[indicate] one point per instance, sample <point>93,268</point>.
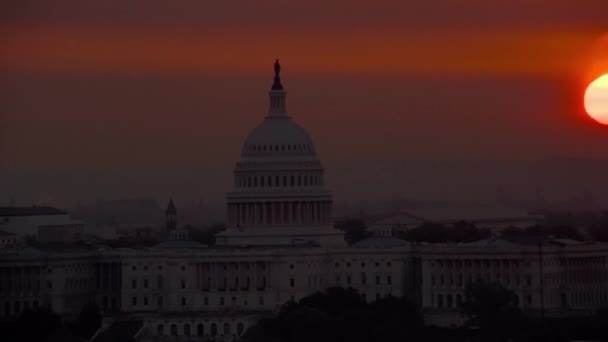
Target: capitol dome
<point>279,195</point>
<point>278,136</point>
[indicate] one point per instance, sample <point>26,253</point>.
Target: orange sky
<point>371,52</point>
<point>143,89</point>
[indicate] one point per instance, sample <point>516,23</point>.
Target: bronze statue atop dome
<point>277,78</point>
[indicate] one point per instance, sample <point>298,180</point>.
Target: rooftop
<point>30,211</point>
<point>180,244</point>
<point>381,242</point>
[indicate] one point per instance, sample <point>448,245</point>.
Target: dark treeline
<point>437,233</point>
<point>43,325</point>
<point>340,314</point>
<point>490,311</point>
<point>462,232</point>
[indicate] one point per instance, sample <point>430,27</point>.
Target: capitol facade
<point>280,245</point>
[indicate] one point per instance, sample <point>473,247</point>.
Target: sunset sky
<point>109,98</point>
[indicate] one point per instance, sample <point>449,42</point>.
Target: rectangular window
<point>160,301</point>
<point>292,282</point>
<point>134,301</point>
<point>389,280</point>
<point>183,301</point>
<point>145,283</point>
<point>134,284</point>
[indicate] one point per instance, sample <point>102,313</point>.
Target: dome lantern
<point>277,94</point>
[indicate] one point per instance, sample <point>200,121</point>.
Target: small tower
<point>171,216</point>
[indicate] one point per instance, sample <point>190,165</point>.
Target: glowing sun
<point>596,100</point>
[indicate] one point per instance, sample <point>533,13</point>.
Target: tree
<point>432,232</point>
<point>207,235</point>
<point>37,325</point>
<point>339,314</point>
<point>396,319</point>
<point>493,310</point>
<point>88,322</point>
<point>354,230</point>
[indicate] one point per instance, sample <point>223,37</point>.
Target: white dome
<point>278,136</point>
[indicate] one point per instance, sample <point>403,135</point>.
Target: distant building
<point>493,217</point>
<point>45,224</point>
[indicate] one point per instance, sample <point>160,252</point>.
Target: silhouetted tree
<point>431,232</point>
<point>493,310</point>
<point>354,230</point>
<point>339,314</point>
<point>206,235</point>
<point>88,322</point>
<point>37,325</point>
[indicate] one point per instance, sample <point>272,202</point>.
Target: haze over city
<point>101,100</point>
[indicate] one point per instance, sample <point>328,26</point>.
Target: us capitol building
<point>280,245</point>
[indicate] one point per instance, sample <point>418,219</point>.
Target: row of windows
<point>455,301</point>
<point>276,181</point>
<point>378,279</point>
<point>363,264</point>
<point>184,301</point>
<point>477,263</point>
<point>200,329</point>
<point>451,280</point>
<point>279,148</point>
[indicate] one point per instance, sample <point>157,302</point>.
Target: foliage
<point>355,230</point>
<point>207,235</point>
<point>493,310</point>
<point>88,322</point>
<point>339,314</point>
<point>436,233</point>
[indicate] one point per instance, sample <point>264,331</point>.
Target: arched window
<point>226,329</point>
<point>240,328</point>
<point>200,329</point>
<point>213,329</point>
<point>187,329</point>
<point>160,330</point>
<point>173,330</point>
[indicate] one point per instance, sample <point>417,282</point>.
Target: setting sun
<point>596,100</point>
